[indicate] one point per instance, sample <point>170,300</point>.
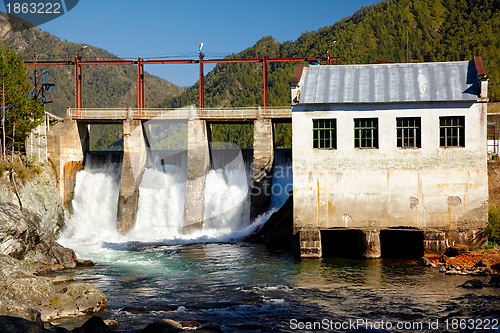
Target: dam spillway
<point>196,166</point>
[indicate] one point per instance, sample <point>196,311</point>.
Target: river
<point>156,272</point>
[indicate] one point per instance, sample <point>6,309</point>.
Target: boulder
<point>22,236</point>
<point>49,256</point>
<point>76,299</point>
<point>19,230</point>
<point>496,267</point>
<point>111,323</point>
<point>482,263</point>
<point>473,284</point>
<point>456,250</point>
<point>16,325</point>
<point>163,326</point>
<point>95,324</point>
<point>425,262</point>
<point>25,295</point>
<point>495,280</point>
<point>209,328</point>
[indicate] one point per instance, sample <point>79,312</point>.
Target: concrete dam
<point>192,157</point>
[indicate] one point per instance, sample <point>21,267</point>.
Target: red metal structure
<point>78,63</point>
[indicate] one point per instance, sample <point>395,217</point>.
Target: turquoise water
<point>155,271</point>
<point>246,288</point>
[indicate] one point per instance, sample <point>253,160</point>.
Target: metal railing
<point>98,113</point>
<point>248,113</point>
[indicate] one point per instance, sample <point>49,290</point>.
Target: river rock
<point>19,325</point>
<point>456,250</point>
<point>19,230</point>
<point>210,328</point>
<point>95,324</point>
<point>76,299</point>
<point>25,295</point>
<point>22,236</point>
<point>496,267</point>
<point>425,262</point>
<point>495,280</point>
<point>49,256</point>
<point>111,323</point>
<point>482,263</point>
<point>164,326</point>
<point>36,193</point>
<point>473,284</point>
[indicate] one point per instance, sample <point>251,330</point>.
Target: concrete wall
<point>36,142</point>
<point>430,188</point>
<point>67,143</point>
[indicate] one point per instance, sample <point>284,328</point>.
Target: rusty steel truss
<point>78,63</point>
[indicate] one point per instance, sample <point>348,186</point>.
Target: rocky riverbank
<point>458,260</point>
<point>31,216</point>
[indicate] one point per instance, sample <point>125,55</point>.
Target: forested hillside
<point>103,86</point>
<point>390,31</point>
<point>434,30</point>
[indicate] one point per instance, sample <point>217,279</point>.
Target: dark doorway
<point>341,243</point>
<point>402,244</point>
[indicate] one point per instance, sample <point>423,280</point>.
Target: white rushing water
<point>92,227</point>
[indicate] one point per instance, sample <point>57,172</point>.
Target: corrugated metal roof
<point>390,83</point>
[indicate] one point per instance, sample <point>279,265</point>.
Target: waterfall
<point>160,214</point>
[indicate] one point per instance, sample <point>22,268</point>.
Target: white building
<point>389,159</point>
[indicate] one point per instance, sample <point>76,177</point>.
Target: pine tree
<point>20,114</point>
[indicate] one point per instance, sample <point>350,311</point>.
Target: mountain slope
<point>434,30</point>
<point>103,86</point>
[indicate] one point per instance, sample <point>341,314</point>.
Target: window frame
<point>409,132</point>
<point>361,141</point>
<point>329,133</point>
<point>452,134</point>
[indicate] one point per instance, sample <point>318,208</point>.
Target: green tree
<point>20,114</point>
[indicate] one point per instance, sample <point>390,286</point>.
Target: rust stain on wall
<point>70,170</point>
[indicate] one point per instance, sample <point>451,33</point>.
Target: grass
<point>19,168</point>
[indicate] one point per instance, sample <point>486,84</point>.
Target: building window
<point>366,133</point>
<point>408,132</point>
<point>325,133</point>
<point>452,131</point>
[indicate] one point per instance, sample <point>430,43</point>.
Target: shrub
<point>493,228</point>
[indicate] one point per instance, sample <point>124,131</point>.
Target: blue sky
<point>154,28</point>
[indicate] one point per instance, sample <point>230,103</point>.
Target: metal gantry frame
<point>78,63</point>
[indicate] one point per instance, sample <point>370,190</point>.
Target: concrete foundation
<point>307,243</point>
<point>371,244</point>
<point>198,164</point>
<point>67,144</point>
<point>263,158</point>
<point>134,163</point>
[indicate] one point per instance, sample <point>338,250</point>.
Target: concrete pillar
<point>198,164</point>
<point>263,159</point>
<point>67,144</point>
<point>371,243</point>
<point>134,163</point>
<point>435,242</point>
<point>308,243</point>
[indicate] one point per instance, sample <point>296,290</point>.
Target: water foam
<point>160,213</point>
